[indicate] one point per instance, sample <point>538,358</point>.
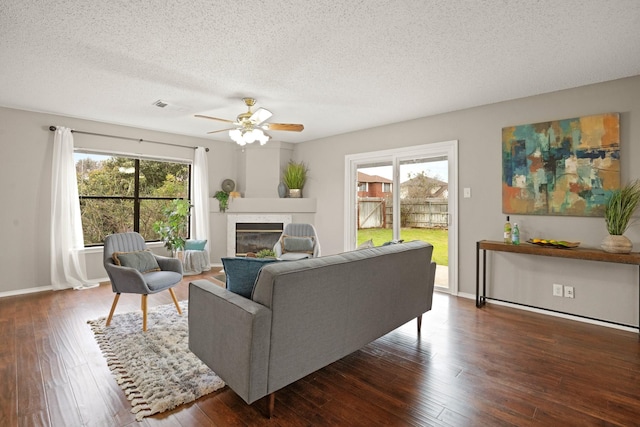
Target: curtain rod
<point>53,129</point>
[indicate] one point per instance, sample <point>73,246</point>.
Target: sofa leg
<point>419,318</point>
<point>271,404</point>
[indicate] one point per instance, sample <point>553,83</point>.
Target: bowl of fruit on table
<point>563,244</point>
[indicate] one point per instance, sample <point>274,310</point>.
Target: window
<point>386,187</point>
<point>362,186</point>
<point>120,194</point>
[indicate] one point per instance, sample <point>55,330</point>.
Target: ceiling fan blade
<point>260,115</point>
<point>221,130</point>
<point>213,118</point>
<point>284,126</point>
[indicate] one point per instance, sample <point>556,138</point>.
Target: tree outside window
<point>120,194</point>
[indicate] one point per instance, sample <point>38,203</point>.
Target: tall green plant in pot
<point>173,229</point>
<point>294,177</point>
<point>617,214</point>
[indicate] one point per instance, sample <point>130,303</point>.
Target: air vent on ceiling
<point>160,103</point>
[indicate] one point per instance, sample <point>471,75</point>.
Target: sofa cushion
<point>143,261</point>
<point>297,244</point>
<point>241,273</point>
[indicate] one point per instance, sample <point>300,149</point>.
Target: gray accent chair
<point>297,230</point>
<point>130,281</point>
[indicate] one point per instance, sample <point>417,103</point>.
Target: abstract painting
<point>561,167</point>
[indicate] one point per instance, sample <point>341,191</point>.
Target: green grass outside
<point>438,238</point>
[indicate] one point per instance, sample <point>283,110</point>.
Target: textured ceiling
<point>335,66</point>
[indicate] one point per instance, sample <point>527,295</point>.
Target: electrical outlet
<point>568,292</point>
<point>557,290</point>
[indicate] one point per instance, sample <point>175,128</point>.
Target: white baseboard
<point>553,313</point>
<point>25,291</point>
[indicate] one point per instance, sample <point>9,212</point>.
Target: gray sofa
<point>306,314</point>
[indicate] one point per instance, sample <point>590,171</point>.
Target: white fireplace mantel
<point>270,205</point>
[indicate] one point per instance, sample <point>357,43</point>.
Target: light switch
<point>467,193</point>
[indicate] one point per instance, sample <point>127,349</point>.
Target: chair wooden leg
<point>113,308</point>
<point>175,301</point>
<point>144,313</point>
<point>419,323</point>
<point>271,404</point>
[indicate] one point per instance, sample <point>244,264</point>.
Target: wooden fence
<point>377,212</point>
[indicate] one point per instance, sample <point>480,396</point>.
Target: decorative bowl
<point>561,244</point>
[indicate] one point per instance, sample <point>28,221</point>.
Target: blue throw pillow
<point>194,245</point>
<point>242,273</point>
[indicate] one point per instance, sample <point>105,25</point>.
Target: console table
<point>589,254</point>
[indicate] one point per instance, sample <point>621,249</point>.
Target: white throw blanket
<point>195,262</point>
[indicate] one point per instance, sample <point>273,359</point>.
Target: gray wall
<point>26,146</point>
<point>603,290</point>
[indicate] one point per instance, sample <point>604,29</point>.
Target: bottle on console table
<point>507,232</point>
<point>515,234</point>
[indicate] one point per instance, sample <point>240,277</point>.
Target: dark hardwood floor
<point>495,366</point>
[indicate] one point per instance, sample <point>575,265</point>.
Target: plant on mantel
<point>618,210</point>
<point>294,177</point>
<point>223,199</point>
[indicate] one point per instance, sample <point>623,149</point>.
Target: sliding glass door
<point>405,194</point>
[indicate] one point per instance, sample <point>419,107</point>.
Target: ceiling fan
<point>250,126</point>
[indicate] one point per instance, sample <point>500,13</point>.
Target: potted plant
<point>266,253</point>
<point>173,229</point>
<point>223,199</point>
<point>294,177</point>
<point>617,215</point>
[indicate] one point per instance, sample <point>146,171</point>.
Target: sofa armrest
<point>231,334</point>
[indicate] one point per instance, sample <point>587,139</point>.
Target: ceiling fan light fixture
<point>248,136</point>
<point>236,136</point>
<point>263,138</point>
<point>250,126</point>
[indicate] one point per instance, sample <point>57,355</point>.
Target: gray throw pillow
<point>143,261</point>
<point>297,244</point>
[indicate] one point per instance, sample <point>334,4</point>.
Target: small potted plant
<point>294,177</point>
<point>617,215</point>
<point>266,253</point>
<point>173,229</point>
<point>223,199</point>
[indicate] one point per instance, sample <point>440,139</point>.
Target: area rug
<point>156,369</point>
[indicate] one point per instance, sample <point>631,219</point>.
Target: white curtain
<point>200,197</point>
<point>67,242</point>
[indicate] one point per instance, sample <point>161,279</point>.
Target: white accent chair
<point>297,241</point>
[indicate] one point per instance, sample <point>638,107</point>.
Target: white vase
<point>616,244</point>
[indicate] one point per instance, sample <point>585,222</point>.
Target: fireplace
<point>255,236</point>
<point>251,233</point>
